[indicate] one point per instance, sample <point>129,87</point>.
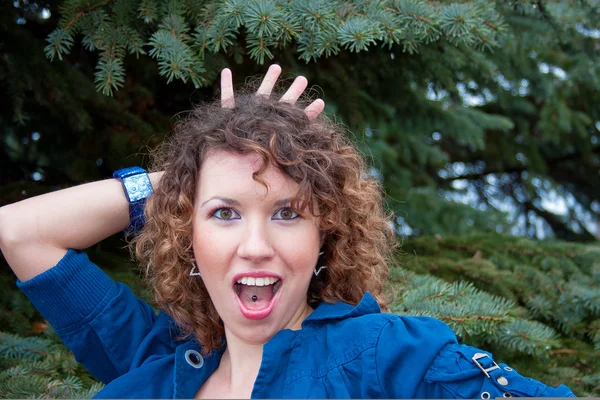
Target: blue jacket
<point>341,350</point>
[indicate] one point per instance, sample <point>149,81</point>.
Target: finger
<point>314,109</point>
<point>295,91</point>
<point>227,99</point>
<point>269,81</point>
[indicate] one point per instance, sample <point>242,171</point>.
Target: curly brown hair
<point>358,242</point>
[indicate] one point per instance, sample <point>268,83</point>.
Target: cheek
<point>299,249</point>
<point>212,247</point>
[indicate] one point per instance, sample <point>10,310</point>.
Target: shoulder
<point>344,332</point>
<point>416,329</point>
<point>364,326</point>
<point>406,350</point>
<point>366,321</point>
<point>403,333</point>
<point>398,350</point>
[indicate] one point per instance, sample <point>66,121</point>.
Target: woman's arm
<point>36,233</point>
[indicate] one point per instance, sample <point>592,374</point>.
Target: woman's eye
<point>226,214</point>
<point>285,214</point>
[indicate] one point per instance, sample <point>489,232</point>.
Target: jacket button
<point>194,359</point>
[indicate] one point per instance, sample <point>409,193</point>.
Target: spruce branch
<point>162,43</point>
<point>259,48</point>
<point>221,34</point>
<point>458,22</point>
<point>326,43</point>
<point>390,26</point>
<point>132,39</point>
<point>358,33</point>
<point>194,10</point>
<point>173,7</point>
<point>94,26</point>
<point>319,27</point>
<point>528,337</point>
<point>233,10</point>
<point>148,11</point>
<point>307,47</point>
<point>414,11</point>
<point>199,40</point>
<point>315,14</point>
<point>82,11</point>
<point>466,309</point>
<point>175,25</point>
<point>260,18</point>
<point>124,12</point>
<point>60,42</point>
<point>109,75</point>
<point>288,32</point>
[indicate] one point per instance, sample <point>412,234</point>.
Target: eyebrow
<point>225,200</point>
<point>233,202</point>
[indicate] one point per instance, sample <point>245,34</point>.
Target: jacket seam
<point>347,357</point>
<point>87,322</point>
<point>448,390</point>
<point>120,370</point>
<point>385,395</point>
<point>118,367</point>
<point>432,371</point>
<point>328,369</point>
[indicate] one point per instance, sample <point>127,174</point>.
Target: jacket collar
<point>340,310</point>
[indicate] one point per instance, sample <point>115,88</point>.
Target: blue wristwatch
<point>137,186</point>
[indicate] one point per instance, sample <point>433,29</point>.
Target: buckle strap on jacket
<point>485,363</point>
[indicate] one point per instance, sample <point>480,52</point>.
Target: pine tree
<point>488,104</point>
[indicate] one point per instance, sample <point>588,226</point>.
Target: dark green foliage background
<point>494,102</point>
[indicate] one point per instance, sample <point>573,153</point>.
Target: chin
<point>260,331</point>
<point>255,332</point>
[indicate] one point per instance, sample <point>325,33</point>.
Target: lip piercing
<point>254,298</point>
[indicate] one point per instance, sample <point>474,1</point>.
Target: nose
<point>254,245</point>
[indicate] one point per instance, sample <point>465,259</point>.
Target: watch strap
<point>137,186</point>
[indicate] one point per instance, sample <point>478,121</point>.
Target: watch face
<point>137,187</point>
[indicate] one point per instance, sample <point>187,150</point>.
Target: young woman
<point>265,246</point>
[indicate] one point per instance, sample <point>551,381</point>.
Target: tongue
<point>263,294</point>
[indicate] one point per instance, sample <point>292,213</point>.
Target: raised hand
<point>291,96</point>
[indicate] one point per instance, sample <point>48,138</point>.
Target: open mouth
<point>257,296</point>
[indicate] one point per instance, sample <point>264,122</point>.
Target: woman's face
<point>256,255</point>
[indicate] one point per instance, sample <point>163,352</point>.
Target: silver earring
<point>322,267</point>
<point>192,273</point>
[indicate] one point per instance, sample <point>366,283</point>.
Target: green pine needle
<point>261,18</point>
<point>148,11</point>
<point>259,48</point>
<point>358,33</point>
<point>60,42</point>
<point>233,11</point>
<point>109,75</point>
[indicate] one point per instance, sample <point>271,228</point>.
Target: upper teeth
<point>268,280</point>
